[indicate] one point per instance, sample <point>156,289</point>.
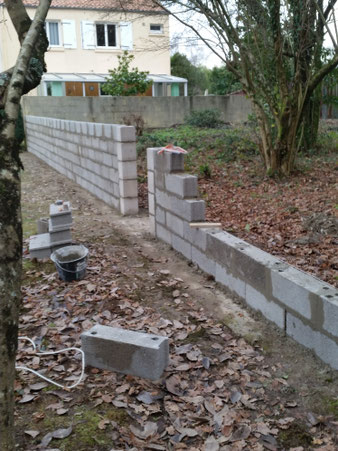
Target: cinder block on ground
<point>39,246</point>
<point>128,352</point>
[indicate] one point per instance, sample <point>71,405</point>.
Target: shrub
<point>204,119</point>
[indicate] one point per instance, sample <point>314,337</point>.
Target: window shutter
<point>69,34</point>
<point>88,34</point>
<point>126,33</point>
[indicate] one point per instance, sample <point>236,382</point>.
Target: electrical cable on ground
<point>24,368</point>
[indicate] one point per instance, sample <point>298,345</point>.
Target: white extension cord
<point>51,353</point>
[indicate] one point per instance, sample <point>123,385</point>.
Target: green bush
<point>204,119</point>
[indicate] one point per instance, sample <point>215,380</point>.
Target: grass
<point>213,148</point>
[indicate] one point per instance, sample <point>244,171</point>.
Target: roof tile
<point>121,5</point>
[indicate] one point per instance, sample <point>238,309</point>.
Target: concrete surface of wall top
<point>306,308</point>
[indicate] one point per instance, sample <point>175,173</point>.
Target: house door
<point>74,88</point>
<point>91,89</point>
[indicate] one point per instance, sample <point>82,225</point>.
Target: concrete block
<point>60,215</point>
<point>181,246</point>
<point>292,288</point>
<point>330,313</point>
<point>220,247</point>
<point>175,224</point>
<point>127,170</point>
<point>160,215</point>
<point>163,234</point>
<point>128,188</point>
<point>169,162</point>
<point>124,133</point>
<point>91,128</point>
<point>203,262</point>
<point>135,353</point>
<point>195,210</point>
<point>42,225</point>
<point>107,159</point>
<point>152,225</point>
<point>126,151</point>
<point>151,154</point>
<point>151,203</point>
<point>269,309</point>
<point>60,237</point>
<point>103,145</point>
<point>111,147</point>
<point>151,185</point>
<point>159,180</point>
<point>107,130</point>
<point>323,346</point>
<point>196,237</point>
<point>224,277</point>
<point>128,206</point>
<point>98,130</point>
<point>39,246</point>
<point>183,185</point>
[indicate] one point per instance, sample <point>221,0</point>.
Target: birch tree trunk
<point>10,214</point>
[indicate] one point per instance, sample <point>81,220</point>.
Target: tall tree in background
<point>197,76</point>
<point>222,81</point>
<point>274,47</point>
<point>15,82</point>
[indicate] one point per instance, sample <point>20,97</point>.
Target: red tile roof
<point>120,5</point>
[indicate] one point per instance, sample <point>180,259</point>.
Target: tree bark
<point>10,211</point>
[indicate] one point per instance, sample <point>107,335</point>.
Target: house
<point>86,37</point>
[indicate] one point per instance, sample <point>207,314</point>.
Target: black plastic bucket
<point>70,262</point>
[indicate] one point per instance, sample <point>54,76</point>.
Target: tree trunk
<point>10,284</point>
<point>310,123</point>
<point>10,202</point>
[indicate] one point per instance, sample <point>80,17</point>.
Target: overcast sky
<point>186,43</point>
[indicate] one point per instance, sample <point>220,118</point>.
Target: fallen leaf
<point>173,385</point>
<point>32,433</point>
<point>150,429</point>
<point>27,398</point>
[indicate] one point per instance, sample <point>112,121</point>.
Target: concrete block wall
<point>304,307</point>
<point>99,157</point>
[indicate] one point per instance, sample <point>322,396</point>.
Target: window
<point>53,33</point>
<point>105,35</point>
<point>156,28</point>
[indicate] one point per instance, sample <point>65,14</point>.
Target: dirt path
<point>234,382</point>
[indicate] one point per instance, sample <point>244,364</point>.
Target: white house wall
<point>151,51</point>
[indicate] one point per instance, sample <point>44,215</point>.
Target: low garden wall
<point>304,307</point>
<point>99,157</point>
<point>157,112</point>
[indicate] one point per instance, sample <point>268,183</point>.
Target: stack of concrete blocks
<point>306,308</point>
<point>99,157</point>
<point>59,234</point>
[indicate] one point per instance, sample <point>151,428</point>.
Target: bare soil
<point>234,382</point>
